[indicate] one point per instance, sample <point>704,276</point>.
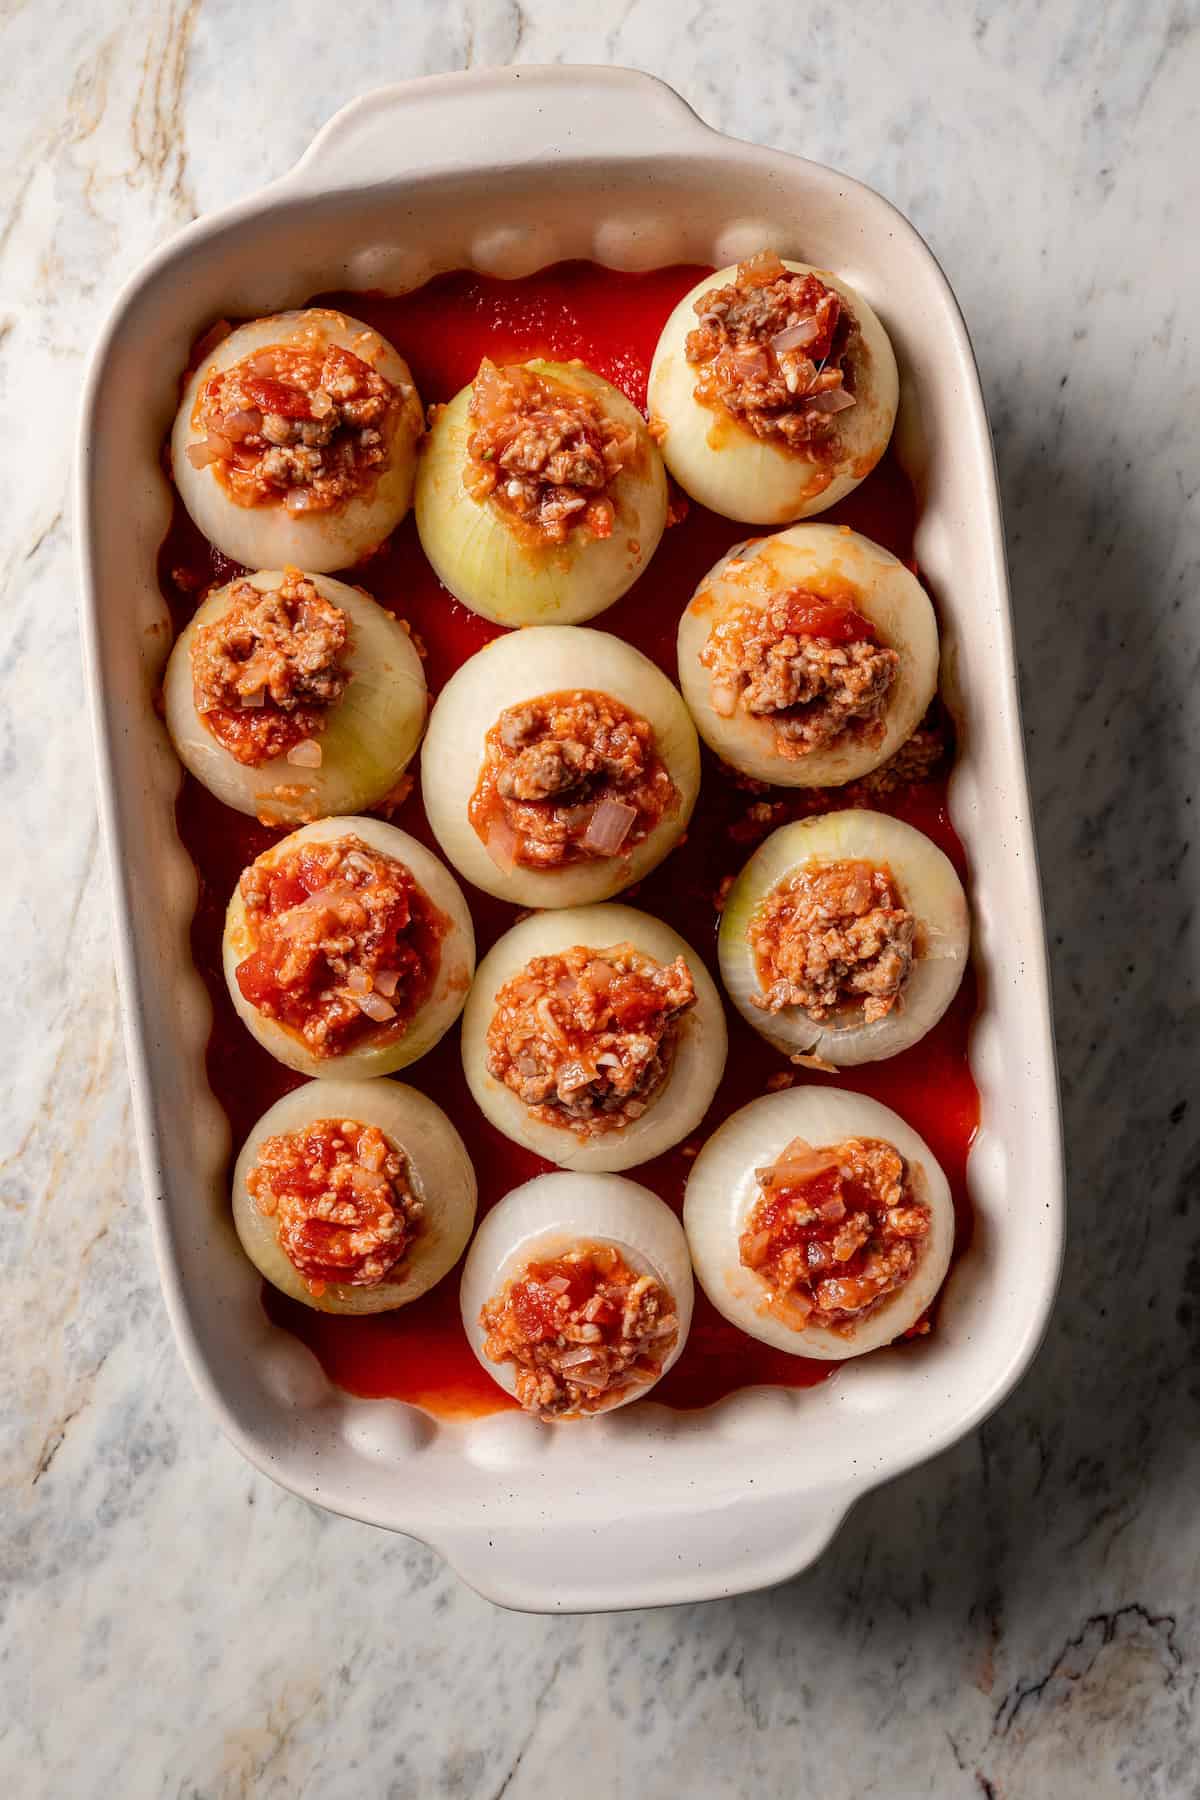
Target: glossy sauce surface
<point>612,322</point>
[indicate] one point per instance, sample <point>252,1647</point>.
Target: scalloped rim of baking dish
<point>506,171</point>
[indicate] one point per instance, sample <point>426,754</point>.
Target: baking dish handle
<point>745,1543</point>
<point>501,116</point>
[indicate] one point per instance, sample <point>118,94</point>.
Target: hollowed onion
<point>723,1189</point>
<point>487,566</point>
<point>369,735</point>
<point>720,463</point>
<point>523,666</point>
<point>439,1172</point>
<point>928,888</point>
<point>456,963</point>
<point>828,561</point>
<point>555,1213</point>
<point>275,535</point>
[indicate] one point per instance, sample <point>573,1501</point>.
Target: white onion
<point>723,465</point>
<point>928,888</point>
<point>281,533</point>
<point>442,1005</point>
<point>489,568</point>
<point>512,670</point>
<point>368,736</point>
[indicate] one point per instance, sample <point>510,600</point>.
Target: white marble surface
<point>1021,1617</point>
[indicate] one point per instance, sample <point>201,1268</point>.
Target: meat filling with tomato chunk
<point>568,778</point>
<point>544,453</point>
<point>585,1038</point>
<point>341,1199</point>
<point>812,667</point>
<point>305,426</point>
<point>772,350</point>
<point>833,939</point>
<point>833,1232</point>
<point>581,1330</point>
<point>265,674</point>
<point>347,945</point>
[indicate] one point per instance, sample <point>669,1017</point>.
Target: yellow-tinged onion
<point>369,736</point>
<point>485,564</point>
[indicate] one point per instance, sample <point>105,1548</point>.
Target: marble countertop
<point>1018,1618</point>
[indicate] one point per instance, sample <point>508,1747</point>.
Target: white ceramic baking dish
<point>505,171</point>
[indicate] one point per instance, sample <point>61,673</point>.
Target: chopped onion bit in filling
<point>567,778</point>
<point>347,945</point>
<point>265,674</point>
<point>810,665</point>
<point>772,351</point>
<point>833,1232</point>
<point>581,1330</point>
<point>308,426</point>
<point>833,938</point>
<point>545,454</point>
<point>341,1199</point>
<point>585,1038</point>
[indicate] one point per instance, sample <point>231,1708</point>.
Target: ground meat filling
<point>545,454</point>
<point>307,428</point>
<point>833,1232</point>
<point>568,778</point>
<point>581,1330</point>
<point>347,945</point>
<point>341,1199</point>
<point>265,674</point>
<point>812,667</point>
<point>585,1039</point>
<point>772,350</point>
<point>834,939</point>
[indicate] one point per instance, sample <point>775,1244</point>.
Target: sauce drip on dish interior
<point>612,321</point>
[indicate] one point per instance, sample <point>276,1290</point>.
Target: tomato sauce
<point>612,321</point>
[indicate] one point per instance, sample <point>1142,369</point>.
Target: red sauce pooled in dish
<point>612,321</point>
